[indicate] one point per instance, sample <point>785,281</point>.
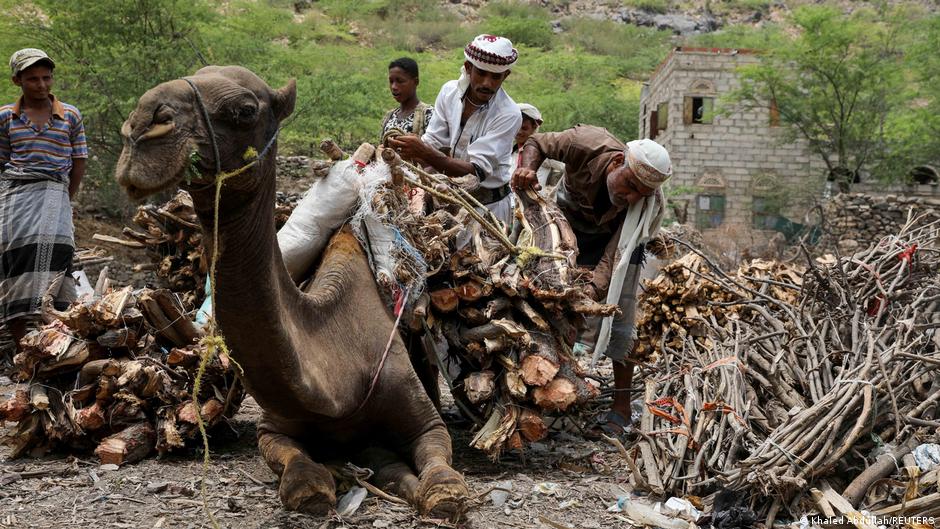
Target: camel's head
<point>167,140</point>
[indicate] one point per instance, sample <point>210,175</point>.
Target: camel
<point>309,357</point>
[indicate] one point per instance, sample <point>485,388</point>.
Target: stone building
<point>733,170</point>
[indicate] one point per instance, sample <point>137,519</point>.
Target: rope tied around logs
<point>523,254</point>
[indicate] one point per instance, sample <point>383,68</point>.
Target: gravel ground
<point>565,480</point>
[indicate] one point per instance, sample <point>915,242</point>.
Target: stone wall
<point>739,155</point>
<point>293,166</point>
<point>856,220</point>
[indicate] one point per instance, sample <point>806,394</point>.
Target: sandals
<point>611,424</point>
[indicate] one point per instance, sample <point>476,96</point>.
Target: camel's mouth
<point>145,171</point>
<point>140,182</point>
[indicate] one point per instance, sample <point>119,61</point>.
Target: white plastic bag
<point>328,204</point>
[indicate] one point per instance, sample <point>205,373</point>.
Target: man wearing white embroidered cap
<point>474,121</point>
<point>611,195</point>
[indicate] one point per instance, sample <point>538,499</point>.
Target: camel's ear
<point>284,99</point>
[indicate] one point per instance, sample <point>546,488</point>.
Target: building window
<point>662,116</point>
<point>764,213</point>
<point>710,211</point>
<point>698,110</point>
<point>654,122</point>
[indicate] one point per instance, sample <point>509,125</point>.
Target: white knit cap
<point>531,111</point>
<point>491,53</point>
<point>650,162</point>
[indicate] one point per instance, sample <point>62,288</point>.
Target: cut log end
<point>445,300</point>
<point>537,370</point>
<point>557,395</point>
<point>127,446</point>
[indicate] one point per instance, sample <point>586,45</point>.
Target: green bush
<point>741,5</point>
<point>653,6</point>
<point>767,37</point>
<point>519,22</point>
<point>108,53</point>
<point>635,49</point>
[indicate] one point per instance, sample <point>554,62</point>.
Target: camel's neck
<point>255,296</point>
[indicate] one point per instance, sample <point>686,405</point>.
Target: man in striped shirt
<point>42,159</point>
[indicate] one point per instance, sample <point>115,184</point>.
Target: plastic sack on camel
<point>325,207</point>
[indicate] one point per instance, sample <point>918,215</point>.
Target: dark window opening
<point>654,122</point>
<point>698,110</point>
<point>764,213</point>
<point>710,211</point>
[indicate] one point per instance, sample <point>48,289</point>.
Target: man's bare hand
<point>409,146</point>
<point>525,178</point>
<point>590,292</point>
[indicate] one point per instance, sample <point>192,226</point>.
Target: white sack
<point>325,207</point>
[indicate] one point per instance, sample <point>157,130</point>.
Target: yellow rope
<point>529,253</point>
<point>213,342</point>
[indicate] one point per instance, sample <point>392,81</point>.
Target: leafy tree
<point>834,84</point>
<point>917,126</point>
<point>107,54</point>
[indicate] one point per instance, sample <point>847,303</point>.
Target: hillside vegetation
<point>577,64</point>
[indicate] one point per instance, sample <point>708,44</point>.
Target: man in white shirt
<point>473,125</point>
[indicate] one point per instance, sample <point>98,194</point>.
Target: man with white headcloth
<point>551,171</point>
<point>611,195</point>
<point>473,125</point>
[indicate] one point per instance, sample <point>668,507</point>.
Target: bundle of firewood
<point>500,314</point>
<point>172,237</point>
<point>777,379</point>
<point>116,373</point>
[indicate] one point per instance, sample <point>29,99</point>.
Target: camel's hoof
<point>442,493</point>
<point>307,487</point>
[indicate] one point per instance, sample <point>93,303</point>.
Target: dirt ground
<point>563,482</point>
<point>566,480</point>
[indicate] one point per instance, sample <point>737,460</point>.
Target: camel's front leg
<point>392,473</point>
<point>441,489</point>
<point>305,485</point>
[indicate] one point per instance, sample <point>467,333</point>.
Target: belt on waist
<point>486,196</point>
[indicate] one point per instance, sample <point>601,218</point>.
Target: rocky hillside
<point>683,18</point>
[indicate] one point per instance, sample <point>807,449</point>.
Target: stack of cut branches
<point>172,237</point>
<point>777,378</point>
<point>501,314</point>
<point>116,373</point>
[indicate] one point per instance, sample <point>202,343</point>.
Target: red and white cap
<point>491,53</point>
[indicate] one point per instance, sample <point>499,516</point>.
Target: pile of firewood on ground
<point>172,237</point>
<point>115,374</point>
<point>805,388</point>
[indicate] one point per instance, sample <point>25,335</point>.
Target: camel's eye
<point>163,114</point>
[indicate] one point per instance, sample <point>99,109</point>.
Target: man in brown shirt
<point>604,179</point>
